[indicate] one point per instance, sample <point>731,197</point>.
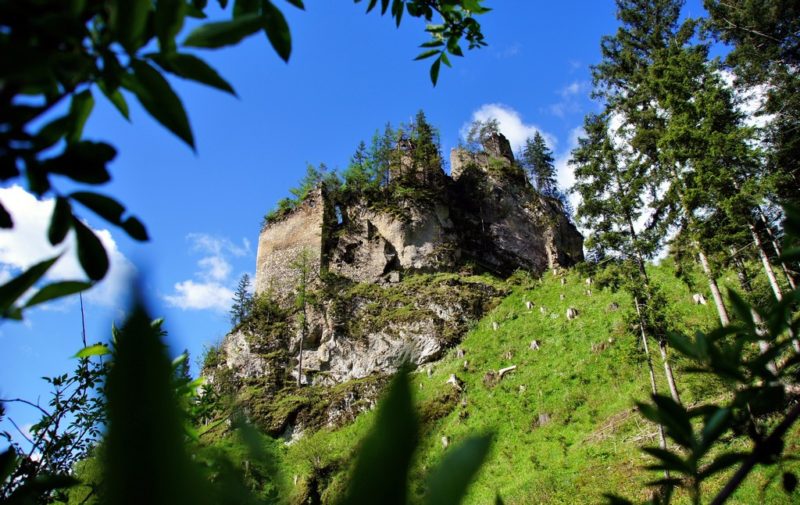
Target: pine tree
<point>242,301</point>
<point>537,159</point>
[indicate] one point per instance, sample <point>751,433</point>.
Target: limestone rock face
<point>421,237</point>
<point>506,225</point>
<point>376,330</point>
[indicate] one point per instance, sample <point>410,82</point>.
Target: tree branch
<point>761,451</point>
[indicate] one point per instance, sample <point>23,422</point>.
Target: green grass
<point>564,426</point>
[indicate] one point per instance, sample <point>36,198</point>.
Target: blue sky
<point>349,74</point>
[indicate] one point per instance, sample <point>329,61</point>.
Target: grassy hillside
<point>564,426</point>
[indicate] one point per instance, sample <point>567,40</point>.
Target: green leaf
<point>12,290</point>
<point>83,161</point>
<point>715,426</point>
<point>91,253</point>
<point>115,97</point>
<point>57,290</point>
<point>168,22</point>
<point>163,464</point>
<point>192,67</point>
<point>427,54</point>
<point>135,229</point>
<point>449,481</point>
<point>93,350</point>
<point>742,310</point>
<point>157,97</point>
<point>52,132</point>
<point>277,30</point>
<point>60,222</point>
<point>668,460</point>
<point>8,462</point>
<point>675,419</point>
<point>104,206</point>
<point>128,21</point>
<point>682,344</point>
<point>445,59</point>
<point>789,481</point>
<point>79,110</point>
<point>435,71</point>
<point>224,33</point>
<point>394,433</point>
<point>5,218</point>
<point>432,43</point>
<point>721,463</point>
<point>613,499</point>
<point>298,4</point>
<point>245,7</point>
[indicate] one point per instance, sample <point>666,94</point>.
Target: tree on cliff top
<point>537,159</point>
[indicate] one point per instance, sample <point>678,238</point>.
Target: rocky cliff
<point>398,276</point>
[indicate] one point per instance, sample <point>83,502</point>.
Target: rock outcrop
<point>390,281</point>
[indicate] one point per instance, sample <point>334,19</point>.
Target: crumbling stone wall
<point>281,243</point>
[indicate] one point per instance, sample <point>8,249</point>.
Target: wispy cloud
<point>569,99</point>
<point>27,244</point>
<point>511,125</point>
<point>211,288</point>
<point>509,51</point>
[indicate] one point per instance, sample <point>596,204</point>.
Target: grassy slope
<point>590,444</point>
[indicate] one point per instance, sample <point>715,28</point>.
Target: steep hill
<point>564,423</point>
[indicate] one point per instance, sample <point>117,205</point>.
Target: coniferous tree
<point>537,159</point>
<point>242,301</point>
<point>611,189</point>
<point>425,139</point>
<point>765,55</point>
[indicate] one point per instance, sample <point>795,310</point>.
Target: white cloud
<point>191,295</point>
<point>27,244</point>
<point>569,99</point>
<point>203,242</point>
<point>214,268</point>
<point>511,125</point>
<point>212,287</point>
<point>509,51</point>
<point>565,173</point>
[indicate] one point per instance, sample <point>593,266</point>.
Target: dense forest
<point>614,380</point>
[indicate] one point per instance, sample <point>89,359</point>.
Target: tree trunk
<point>763,345</point>
<point>712,284</point>
<point>673,388</point>
<point>773,281</point>
<point>662,441</point>
<point>777,248</point>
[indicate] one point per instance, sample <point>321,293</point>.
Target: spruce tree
<point>242,301</point>
<point>537,160</point>
<point>611,189</point>
<point>425,139</point>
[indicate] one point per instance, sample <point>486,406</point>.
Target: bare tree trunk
<point>776,247</point>
<point>673,388</point>
<point>773,281</point>
<point>712,284</point>
<point>662,440</point>
<point>763,345</point>
<point>662,345</point>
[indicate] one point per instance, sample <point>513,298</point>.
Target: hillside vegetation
<point>564,423</point>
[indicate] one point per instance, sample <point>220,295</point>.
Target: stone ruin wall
<point>282,242</point>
